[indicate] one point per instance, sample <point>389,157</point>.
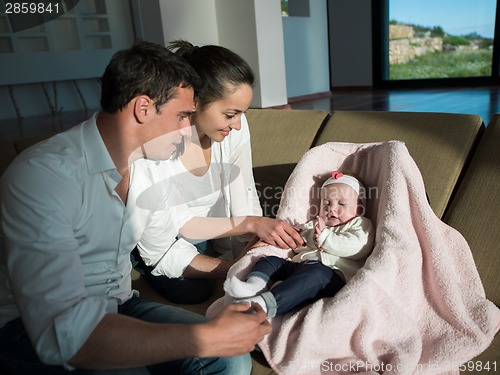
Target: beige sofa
<point>458,156</point>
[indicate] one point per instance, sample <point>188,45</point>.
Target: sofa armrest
<point>474,213</point>
<point>475,207</point>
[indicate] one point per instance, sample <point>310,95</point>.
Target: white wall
<point>192,20</point>
<point>271,52</point>
<point>251,28</point>
<point>306,51</point>
<point>287,56</point>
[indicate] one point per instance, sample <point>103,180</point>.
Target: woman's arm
<point>275,232</point>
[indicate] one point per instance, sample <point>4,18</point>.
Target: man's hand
<point>235,330</point>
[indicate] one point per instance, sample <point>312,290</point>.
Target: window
<point>295,8</point>
<point>441,42</point>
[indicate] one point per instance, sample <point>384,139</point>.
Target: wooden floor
<point>484,101</point>
<point>481,101</point>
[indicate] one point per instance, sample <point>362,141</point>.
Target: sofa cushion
<point>270,183</point>
<point>283,135</point>
<point>440,143</point>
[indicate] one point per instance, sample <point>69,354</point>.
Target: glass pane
<point>440,39</point>
<point>284,8</point>
<point>65,34</point>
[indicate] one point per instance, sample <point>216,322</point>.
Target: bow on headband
<point>336,174</point>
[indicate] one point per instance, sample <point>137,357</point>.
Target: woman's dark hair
<point>219,68</point>
<point>144,69</point>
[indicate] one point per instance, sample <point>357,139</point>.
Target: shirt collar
<point>97,155</point>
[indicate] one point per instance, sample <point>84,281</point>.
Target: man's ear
<point>142,108</point>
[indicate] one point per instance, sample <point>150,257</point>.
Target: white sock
<point>242,289</point>
<point>255,299</point>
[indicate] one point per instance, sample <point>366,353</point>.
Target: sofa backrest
<point>10,149</point>
<point>475,209</point>
<point>22,144</point>
<point>440,143</point>
<point>279,139</point>
<point>7,153</point>
<point>282,136</point>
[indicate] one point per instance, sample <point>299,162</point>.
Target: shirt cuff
<point>176,259</point>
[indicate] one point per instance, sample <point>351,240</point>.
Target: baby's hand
<point>318,228</point>
<point>320,225</point>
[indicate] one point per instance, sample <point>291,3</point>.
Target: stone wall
<point>404,46</point>
<point>400,32</point>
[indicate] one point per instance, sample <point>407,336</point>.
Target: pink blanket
<point>416,307</point>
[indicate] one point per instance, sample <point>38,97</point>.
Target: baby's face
<point>339,204</point>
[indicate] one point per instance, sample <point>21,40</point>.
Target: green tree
<point>453,40</point>
<point>437,31</point>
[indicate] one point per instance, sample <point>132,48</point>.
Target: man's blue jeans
<point>301,283</point>
<point>17,356</point>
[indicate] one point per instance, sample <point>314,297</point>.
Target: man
<point>70,218</point>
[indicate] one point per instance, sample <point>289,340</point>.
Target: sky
<point>456,17</point>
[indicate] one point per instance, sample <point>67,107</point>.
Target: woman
<point>213,173</point>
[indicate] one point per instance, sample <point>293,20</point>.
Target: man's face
<point>165,129</point>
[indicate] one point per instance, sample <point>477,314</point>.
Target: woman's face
<point>216,120</point>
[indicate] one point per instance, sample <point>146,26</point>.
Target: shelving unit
<point>86,35</point>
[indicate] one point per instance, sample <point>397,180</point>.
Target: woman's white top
<point>226,189</point>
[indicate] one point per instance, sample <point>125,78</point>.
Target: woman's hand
<point>276,232</point>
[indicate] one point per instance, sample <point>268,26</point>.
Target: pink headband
<point>340,178</point>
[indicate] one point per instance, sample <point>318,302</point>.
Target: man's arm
<point>122,342</point>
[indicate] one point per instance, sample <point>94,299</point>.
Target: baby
<point>338,242</point>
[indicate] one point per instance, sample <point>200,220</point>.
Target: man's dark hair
<point>144,69</point>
